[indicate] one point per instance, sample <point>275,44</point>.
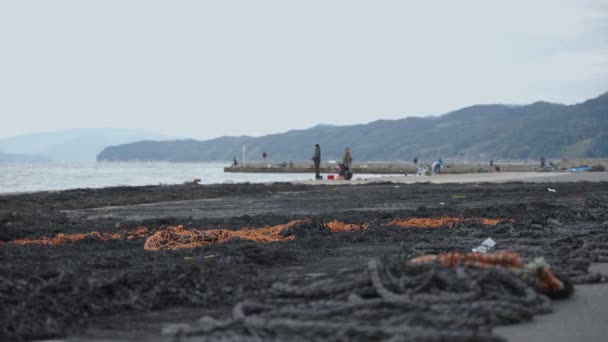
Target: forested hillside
<point>477,132</point>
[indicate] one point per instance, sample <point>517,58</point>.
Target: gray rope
<point>453,304</point>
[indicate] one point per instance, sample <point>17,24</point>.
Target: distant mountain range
<point>22,158</point>
<point>479,132</point>
<point>70,145</point>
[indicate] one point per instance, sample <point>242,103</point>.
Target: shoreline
<point>498,177</point>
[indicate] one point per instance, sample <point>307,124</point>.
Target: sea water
<point>24,177</point>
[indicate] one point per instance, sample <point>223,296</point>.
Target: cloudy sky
<point>203,69</point>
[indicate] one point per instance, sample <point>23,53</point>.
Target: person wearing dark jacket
<point>316,158</point>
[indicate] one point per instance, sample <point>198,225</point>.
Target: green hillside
<point>477,132</point>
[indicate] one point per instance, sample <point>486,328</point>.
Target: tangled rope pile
<point>536,273</point>
<point>180,238</point>
<point>390,301</point>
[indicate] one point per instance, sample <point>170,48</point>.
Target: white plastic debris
<point>551,190</point>
<point>487,245</point>
<point>442,203</point>
<point>489,242</point>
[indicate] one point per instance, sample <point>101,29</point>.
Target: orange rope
<point>545,280</point>
<point>503,258</point>
<point>438,222</point>
<point>62,238</point>
<point>177,237</point>
<point>339,227</point>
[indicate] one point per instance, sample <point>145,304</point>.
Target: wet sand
<point>580,318</point>
<point>497,177</point>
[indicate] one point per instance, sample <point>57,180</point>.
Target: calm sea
<point>19,177</point>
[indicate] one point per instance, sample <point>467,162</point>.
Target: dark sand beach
<point>106,285</point>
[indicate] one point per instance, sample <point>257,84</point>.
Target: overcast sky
<point>203,69</point>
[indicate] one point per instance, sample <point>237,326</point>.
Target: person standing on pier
<point>316,158</point>
<point>347,159</point>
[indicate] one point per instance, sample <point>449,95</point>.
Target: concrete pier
<point>376,168</point>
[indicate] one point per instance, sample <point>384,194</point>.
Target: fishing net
<point>54,301</point>
<point>436,290</point>
<point>387,299</point>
